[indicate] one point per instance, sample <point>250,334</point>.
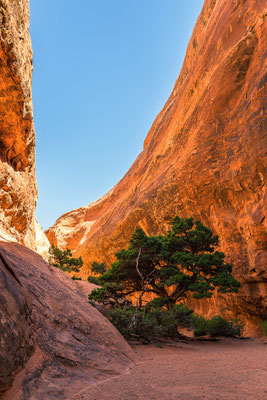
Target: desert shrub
<point>178,316</point>
<point>151,323</point>
<point>133,324</point>
<point>216,326</point>
<point>264,328</point>
<point>200,325</point>
<point>76,278</point>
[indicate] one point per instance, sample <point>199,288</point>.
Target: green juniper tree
<point>63,259</point>
<point>171,266</point>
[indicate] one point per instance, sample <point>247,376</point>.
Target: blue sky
<point>103,70</point>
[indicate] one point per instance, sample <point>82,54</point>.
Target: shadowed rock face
<point>16,330</point>
<point>53,343</point>
<point>204,156</point>
<point>18,192</point>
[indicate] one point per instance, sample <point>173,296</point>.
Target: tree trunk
<point>171,303</point>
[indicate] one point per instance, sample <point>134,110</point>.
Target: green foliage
<point>154,323</point>
<point>92,279</point>
<point>63,259</point>
<point>76,278</point>
<point>201,327</point>
<point>217,326</point>
<point>150,324</point>
<point>98,268</point>
<point>168,267</point>
<point>110,294</point>
<point>264,328</point>
<point>171,266</point>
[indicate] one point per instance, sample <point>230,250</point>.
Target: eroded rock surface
<point>18,191</point>
<point>204,156</point>
<point>53,342</point>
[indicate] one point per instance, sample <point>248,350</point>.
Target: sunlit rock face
<point>53,342</point>
<point>18,192</point>
<point>204,156</point>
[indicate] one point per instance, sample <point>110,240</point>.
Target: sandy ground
<point>230,369</point>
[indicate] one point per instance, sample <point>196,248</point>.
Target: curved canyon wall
<point>18,191</point>
<point>204,156</point>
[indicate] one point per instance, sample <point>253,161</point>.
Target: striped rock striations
<point>204,156</point>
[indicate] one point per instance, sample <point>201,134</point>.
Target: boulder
<point>53,342</point>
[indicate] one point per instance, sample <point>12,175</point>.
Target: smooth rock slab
<point>53,343</point>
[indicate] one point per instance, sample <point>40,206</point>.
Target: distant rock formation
<point>53,343</point>
<point>204,156</point>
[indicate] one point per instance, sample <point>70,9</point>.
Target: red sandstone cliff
<point>204,156</point>
<point>18,190</point>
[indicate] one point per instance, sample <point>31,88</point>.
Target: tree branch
<point>146,281</point>
<point>177,293</point>
<point>137,265</point>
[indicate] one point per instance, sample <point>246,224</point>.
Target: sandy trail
<point>230,370</point>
